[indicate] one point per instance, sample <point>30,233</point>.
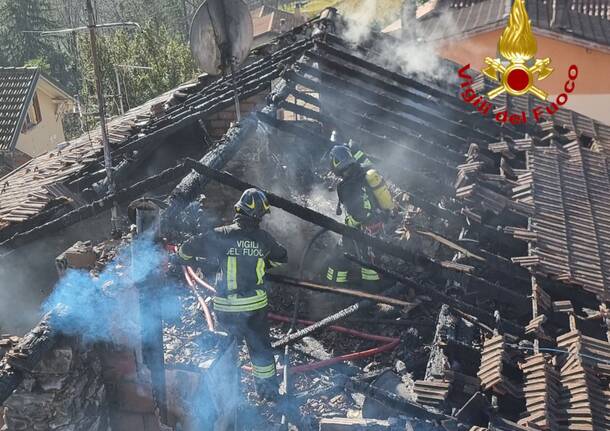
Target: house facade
<point>32,110</point>
<point>567,32</point>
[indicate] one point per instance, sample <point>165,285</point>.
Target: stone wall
<point>65,392</point>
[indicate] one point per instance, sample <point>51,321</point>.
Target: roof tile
<point>16,89</point>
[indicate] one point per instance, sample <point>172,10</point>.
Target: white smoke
<point>409,52</point>
<point>360,21</point>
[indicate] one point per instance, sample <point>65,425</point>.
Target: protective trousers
<point>253,328</point>
<point>340,270</point>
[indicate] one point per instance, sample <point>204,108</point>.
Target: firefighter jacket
<point>241,252</point>
<point>358,199</point>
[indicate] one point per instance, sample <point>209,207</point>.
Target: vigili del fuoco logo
<point>517,72</point>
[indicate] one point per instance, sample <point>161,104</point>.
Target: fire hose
<point>390,344</point>
<point>192,278</point>
<point>200,299</point>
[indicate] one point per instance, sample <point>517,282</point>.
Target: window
<point>33,116</point>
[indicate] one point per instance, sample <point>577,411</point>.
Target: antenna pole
<point>118,86</point>
<point>226,54</point>
<point>102,115</point>
<point>235,92</point>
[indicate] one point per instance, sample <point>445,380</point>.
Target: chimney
<point>283,25</point>
<point>297,11</point>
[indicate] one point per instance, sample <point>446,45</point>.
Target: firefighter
<point>367,203</point>
<point>241,253</point>
<point>357,152</point>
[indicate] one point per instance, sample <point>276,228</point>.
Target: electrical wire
<point>297,300</point>
<point>567,352</point>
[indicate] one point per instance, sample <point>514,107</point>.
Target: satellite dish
<point>221,35</point>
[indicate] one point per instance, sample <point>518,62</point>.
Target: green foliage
<point>22,44</point>
<point>155,46</point>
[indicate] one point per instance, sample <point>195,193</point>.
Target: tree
<point>154,46</point>
<point>20,40</point>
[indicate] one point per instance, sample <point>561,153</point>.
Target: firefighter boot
<point>267,389</point>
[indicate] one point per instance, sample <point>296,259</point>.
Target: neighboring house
<point>31,112</point>
<point>270,22</point>
<point>567,31</point>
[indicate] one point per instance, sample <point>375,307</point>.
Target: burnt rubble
<point>496,317</point>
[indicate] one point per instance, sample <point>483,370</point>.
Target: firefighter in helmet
<point>367,202</point>
<point>241,253</point>
<point>357,152</point>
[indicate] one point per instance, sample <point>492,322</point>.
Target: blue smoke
<point>99,308</point>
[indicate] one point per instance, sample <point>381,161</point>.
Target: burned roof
<point>520,344</point>
<point>587,20</point>
<point>25,193</point>
<point>17,85</point>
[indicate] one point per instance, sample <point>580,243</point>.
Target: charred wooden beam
<point>308,214</point>
<point>401,119</point>
<point>482,315</point>
<point>421,160</point>
<point>395,402</point>
<point>307,98</point>
<point>333,318</point>
<point>445,329</point>
<point>353,112</point>
<point>332,46</point>
<point>498,292</point>
<point>194,183</point>
<point>302,110</point>
<point>289,281</point>
<point>22,358</point>
<point>415,177</point>
<point>52,211</point>
<point>97,207</point>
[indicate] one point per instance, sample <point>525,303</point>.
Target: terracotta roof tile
<point>17,86</point>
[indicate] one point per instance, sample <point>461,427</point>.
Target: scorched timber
<point>415,178</point>
<point>22,358</point>
<point>454,107</point>
<point>340,291</point>
<point>333,318</point>
<point>441,297</point>
<point>194,183</point>
<point>307,214</point>
<point>395,125</point>
<point>97,207</point>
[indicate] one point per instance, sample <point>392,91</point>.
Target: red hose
<point>200,299</point>
<point>201,282</point>
<point>191,277</point>
<point>390,344</point>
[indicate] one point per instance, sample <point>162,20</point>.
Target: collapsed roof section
<point>51,184</point>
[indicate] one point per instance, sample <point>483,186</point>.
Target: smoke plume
<point>96,307</point>
<point>409,52</point>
